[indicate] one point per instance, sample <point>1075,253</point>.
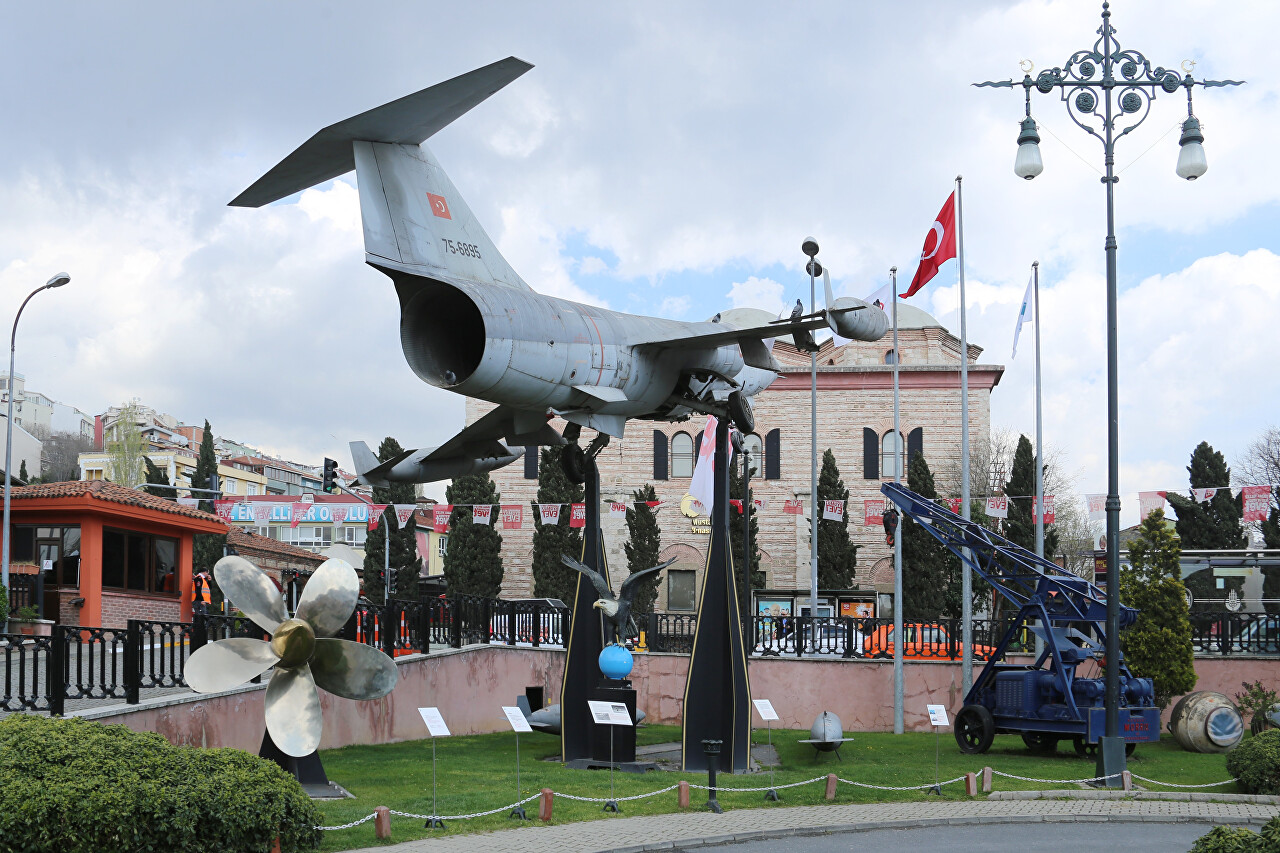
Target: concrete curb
<point>1169,796</point>
<point>871,826</point>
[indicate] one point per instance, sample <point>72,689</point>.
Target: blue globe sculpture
<point>615,661</point>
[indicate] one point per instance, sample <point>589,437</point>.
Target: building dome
<point>911,317</point>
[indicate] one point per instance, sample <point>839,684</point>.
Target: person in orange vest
<point>201,599</point>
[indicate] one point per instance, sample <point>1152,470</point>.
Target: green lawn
<point>478,773</point>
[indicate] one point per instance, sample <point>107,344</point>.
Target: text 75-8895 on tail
<point>470,324</point>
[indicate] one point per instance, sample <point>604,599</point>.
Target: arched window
<point>891,357</point>
<point>755,447</point>
<point>891,455</point>
<point>681,455</point>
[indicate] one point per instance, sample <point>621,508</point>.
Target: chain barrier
<point>465,816</point>
<point>1054,781</point>
<point>756,790</point>
<point>670,788</point>
<point>1176,785</point>
<point>902,788</point>
<point>617,799</point>
<point>364,819</point>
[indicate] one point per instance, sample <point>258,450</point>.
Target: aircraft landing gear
<point>740,413</point>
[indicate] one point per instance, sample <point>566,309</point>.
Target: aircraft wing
<point>776,329</point>
<point>481,439</point>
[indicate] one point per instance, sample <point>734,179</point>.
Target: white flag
<point>550,513</point>
<point>481,514</point>
<point>1097,507</point>
<point>404,512</point>
<point>703,486</point>
<point>1202,495</point>
<point>832,510</point>
<point>617,509</point>
<point>881,298</point>
<point>1024,317</point>
<point>998,506</point>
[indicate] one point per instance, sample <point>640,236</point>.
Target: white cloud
<point>763,293</point>
<point>674,307</point>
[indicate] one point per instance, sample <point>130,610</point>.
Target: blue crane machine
<point>1045,701</point>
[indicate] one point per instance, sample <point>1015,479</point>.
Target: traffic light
<point>330,481</point>
<point>890,524</point>
<point>391,582</point>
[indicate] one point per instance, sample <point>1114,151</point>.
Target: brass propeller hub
<point>294,641</point>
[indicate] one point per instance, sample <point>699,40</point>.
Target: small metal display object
<point>937,719</point>
<point>711,749</point>
<point>827,735</point>
<point>609,714</point>
<point>765,709</point>
<point>435,726</point>
<point>518,724</point>
<point>303,650</point>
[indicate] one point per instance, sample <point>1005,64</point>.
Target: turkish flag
<point>939,246</point>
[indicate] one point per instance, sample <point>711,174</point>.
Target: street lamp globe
<point>809,246</point>
<point>1191,160</point>
<point>1028,163</point>
<point>58,280</point>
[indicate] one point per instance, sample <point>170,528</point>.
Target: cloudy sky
<point>660,157</point>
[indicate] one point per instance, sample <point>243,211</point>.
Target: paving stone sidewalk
<point>699,828</point>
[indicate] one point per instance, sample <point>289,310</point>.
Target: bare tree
<point>126,448</point>
<point>60,456</point>
<point>1260,463</point>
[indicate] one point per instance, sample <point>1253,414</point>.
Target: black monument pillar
<point>717,697</point>
<point>586,635</point>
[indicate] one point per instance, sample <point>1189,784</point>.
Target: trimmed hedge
<point>1238,839</point>
<point>1256,763</point>
<point>75,786</point>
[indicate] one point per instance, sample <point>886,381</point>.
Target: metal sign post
<point>609,714</point>
<point>518,724</point>
<point>938,718</point>
<point>435,726</point>
<point>765,709</point>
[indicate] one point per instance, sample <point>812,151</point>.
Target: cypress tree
<point>837,556</point>
<point>473,562</point>
<point>1271,574</point>
<point>643,545</point>
<point>925,561</point>
<point>1158,644</point>
<point>158,476</point>
<point>206,548</point>
<point>737,492</point>
<point>22,472</point>
<point>405,562</point>
<point>1213,524</point>
<point>551,578</point>
<point>1020,526</point>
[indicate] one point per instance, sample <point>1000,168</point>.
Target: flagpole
<point>898,727</point>
<point>1035,267</point>
<point>966,582</point>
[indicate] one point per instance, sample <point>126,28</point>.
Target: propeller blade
<point>329,597</point>
<point>248,588</point>
<point>353,670</point>
<point>293,711</point>
<point>225,664</point>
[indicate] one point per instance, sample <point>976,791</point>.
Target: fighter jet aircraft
<point>470,324</point>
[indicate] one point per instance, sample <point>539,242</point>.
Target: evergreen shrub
<point>1256,763</point>
<point>75,786</point>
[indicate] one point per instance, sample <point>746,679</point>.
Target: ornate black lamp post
<point>1108,91</point>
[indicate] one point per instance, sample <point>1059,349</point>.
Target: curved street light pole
<point>1101,104</point>
<point>57,281</point>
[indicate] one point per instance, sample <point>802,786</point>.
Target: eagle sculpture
<point>616,609</point>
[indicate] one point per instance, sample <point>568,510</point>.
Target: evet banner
<point>512,516</point>
<point>1257,502</point>
<point>997,506</point>
<point>873,513</point>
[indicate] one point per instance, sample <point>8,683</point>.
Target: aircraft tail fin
<point>364,460</point>
<point>414,219</point>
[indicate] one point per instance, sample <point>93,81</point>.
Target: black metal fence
<point>25,591</point>
<point>42,674</point>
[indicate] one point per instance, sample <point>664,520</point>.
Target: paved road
<point>1025,823</point>
<point>1131,837</point>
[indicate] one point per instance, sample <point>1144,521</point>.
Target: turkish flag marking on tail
<point>939,246</point>
<point>439,206</point>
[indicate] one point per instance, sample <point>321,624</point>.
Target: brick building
<point>109,553</point>
<point>855,420</point>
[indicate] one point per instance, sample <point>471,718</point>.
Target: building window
<point>442,546</point>
<point>531,462</point>
<point>682,591</point>
<point>681,455</point>
<point>252,488</point>
<point>891,455</point>
<point>890,357</point>
<point>356,536</point>
<point>755,447</point>
<point>229,486</point>
<point>139,562</point>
